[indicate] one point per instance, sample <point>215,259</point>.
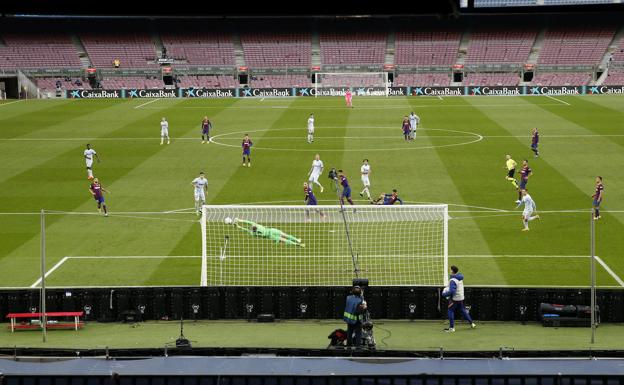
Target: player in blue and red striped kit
<point>310,200</point>
<point>206,126</point>
<point>535,141</point>
<point>406,129</point>
<point>346,189</point>
<point>597,197</point>
<point>388,199</point>
<point>247,143</point>
<point>98,191</point>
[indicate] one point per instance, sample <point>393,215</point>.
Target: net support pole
<point>356,268</point>
<point>593,277</point>
<point>42,295</point>
<point>445,279</point>
<point>204,262</point>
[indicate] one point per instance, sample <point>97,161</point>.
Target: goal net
<point>401,245</point>
<point>360,83</point>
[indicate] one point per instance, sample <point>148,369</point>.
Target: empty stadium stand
<point>134,50</point>
<point>500,46</point>
<point>277,50</point>
<point>561,78</point>
<point>280,81</point>
<point>208,81</point>
<point>200,48</point>
<point>575,45</point>
<point>353,48</point>
<point>30,50</point>
<point>491,79</point>
<point>422,79</point>
<point>427,47</point>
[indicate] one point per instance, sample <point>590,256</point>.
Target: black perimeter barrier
<point>212,303</point>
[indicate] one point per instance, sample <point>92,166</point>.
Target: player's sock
<point>519,195</point>
<point>350,200</point>
<point>597,213</point>
<point>105,211</point>
<point>514,183</point>
<point>533,217</point>
<point>526,224</point>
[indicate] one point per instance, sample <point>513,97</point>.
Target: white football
<point>228,221</point>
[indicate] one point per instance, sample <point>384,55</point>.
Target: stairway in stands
<point>82,51</point>
<point>390,47</point>
<point>238,50</point>
<point>316,49</point>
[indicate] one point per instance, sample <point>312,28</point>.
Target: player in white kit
<point>311,128</point>
<point>316,171</point>
<point>414,120</point>
<point>365,171</point>
<point>164,130</point>
<point>529,208</point>
<point>89,153</point>
<point>201,186</point>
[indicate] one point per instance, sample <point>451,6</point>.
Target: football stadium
<point>328,194</point>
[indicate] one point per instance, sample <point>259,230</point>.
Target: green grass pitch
<point>458,159</point>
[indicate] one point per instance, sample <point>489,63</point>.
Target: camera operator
<point>354,309</point>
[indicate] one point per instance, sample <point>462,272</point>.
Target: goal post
<point>360,83</point>
<point>404,245</point>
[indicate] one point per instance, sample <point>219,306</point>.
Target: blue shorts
<point>346,192</point>
<point>205,132</point>
<point>246,152</point>
<point>311,202</point>
<point>533,145</point>
<point>523,183</point>
<point>596,203</point>
<point>99,199</point>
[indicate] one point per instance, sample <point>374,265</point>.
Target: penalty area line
<point>611,272</point>
<point>6,104</point>
<point>559,100</point>
<point>59,263</point>
<point>146,103</point>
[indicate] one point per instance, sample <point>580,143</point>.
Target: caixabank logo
<point>599,90</point>
<point>499,91</point>
<point>152,94</point>
<point>548,90</point>
<point>265,92</point>
<point>437,91</point>
<point>208,93</point>
<point>93,94</point>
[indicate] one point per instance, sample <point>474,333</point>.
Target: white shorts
<point>310,131</point>
<point>314,178</point>
<point>89,163</point>
<point>365,180</point>
<point>164,133</point>
<point>527,213</point>
<point>200,196</point>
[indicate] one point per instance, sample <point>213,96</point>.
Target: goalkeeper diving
<point>270,233</point>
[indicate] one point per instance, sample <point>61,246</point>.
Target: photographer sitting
<point>353,316</point>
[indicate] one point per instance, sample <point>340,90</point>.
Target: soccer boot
<point>450,330</point>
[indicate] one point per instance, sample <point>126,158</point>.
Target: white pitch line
<point>518,256</point>
<point>146,103</point>
<point>440,97</point>
<point>37,282</point>
<point>611,272</point>
<point>559,100</point>
<point>133,257</point>
<point>401,107</point>
<point>6,104</point>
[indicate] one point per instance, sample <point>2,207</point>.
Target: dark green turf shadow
<point>589,115</point>
<point>62,179</point>
<point>278,175</point>
<point>477,172</point>
<point>40,120</point>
